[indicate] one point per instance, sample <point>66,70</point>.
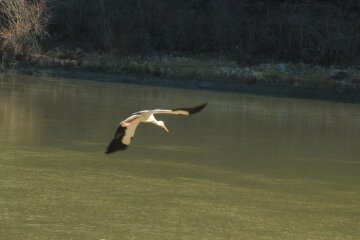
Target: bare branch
<point>23,23</point>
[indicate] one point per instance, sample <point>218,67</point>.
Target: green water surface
<point>247,167</point>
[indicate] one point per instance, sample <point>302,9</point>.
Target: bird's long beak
<point>165,128</point>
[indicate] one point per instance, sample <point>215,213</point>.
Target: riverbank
<point>285,80</point>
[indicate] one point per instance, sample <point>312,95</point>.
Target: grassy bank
<point>217,72</point>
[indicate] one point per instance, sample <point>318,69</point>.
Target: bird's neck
<point>156,122</point>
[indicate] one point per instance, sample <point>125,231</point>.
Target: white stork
<point>126,130</point>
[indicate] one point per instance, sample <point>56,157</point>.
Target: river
<point>246,167</point>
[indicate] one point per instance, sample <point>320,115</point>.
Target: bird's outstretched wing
<point>124,134</point>
<point>189,111</point>
<point>116,143</point>
<point>177,111</point>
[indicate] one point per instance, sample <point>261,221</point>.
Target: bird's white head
<point>162,124</point>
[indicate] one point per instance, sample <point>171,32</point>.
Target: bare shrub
<point>22,23</point>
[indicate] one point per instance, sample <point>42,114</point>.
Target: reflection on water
<point>247,167</point>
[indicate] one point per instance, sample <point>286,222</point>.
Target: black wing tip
<point>193,109</point>
<point>196,109</point>
<point>115,145</point>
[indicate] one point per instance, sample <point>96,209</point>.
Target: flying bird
<point>126,130</point>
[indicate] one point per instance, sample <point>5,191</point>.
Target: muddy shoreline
<point>269,89</point>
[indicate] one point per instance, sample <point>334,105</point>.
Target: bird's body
<point>126,129</point>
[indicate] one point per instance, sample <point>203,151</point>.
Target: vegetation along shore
<point>302,49</point>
